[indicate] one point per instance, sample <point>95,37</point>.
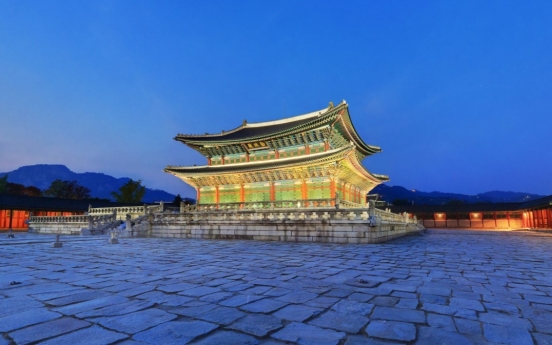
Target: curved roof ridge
<point>288,119</point>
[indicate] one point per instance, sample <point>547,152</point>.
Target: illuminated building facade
<point>305,159</point>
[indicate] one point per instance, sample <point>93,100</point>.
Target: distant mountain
<point>100,185</point>
<point>403,195</point>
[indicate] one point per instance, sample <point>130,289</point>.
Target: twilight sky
<point>457,93</point>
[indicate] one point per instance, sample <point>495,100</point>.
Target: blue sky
<point>457,93</point>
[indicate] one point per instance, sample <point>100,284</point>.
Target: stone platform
<point>454,287</point>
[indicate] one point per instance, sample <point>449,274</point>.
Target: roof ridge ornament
<point>331,106</point>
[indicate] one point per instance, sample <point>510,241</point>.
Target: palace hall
<point>306,159</point>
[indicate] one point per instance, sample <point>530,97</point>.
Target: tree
<point>177,200</point>
<point>4,184</point>
<point>400,202</point>
<point>132,191</point>
<point>67,190</point>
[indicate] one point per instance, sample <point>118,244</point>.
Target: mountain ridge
<point>394,193</point>
<point>101,185</point>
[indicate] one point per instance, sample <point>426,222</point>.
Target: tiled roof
<point>244,132</point>
<point>465,208</point>
<point>23,202</point>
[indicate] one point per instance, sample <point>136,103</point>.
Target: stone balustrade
<point>58,219</point>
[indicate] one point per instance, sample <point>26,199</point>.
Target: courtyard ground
<point>445,287</point>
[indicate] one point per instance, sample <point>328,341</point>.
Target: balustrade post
<point>372,208</point>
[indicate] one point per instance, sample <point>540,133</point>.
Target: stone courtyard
<point>445,287</point>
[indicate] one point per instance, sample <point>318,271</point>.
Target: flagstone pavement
<point>445,287</point>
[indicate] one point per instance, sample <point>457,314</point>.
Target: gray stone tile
<point>297,296</point>
<point>175,332</point>
<point>194,311</point>
<point>441,321</point>
<point>165,298</point>
<point>238,300</point>
<point>341,322</point>
<point>94,335</point>
<point>135,322</point>
<point>297,313</point>
<point>392,330</point>
<point>307,334</point>
<point>431,335</point>
<point>12,305</point>
<point>26,318</point>
<point>466,304</point>
<point>257,325</point>
<point>78,297</point>
<point>407,303</point>
<point>468,326</point>
<point>360,297</point>
<point>507,334</point>
<point>352,307</point>
<point>504,320</point>
<point>118,309</point>
<point>222,315</point>
<point>199,291</point>
<point>396,314</point>
<point>541,325</point>
<point>47,330</point>
<point>227,338</point>
<point>542,339</point>
<point>322,302</point>
<point>216,297</point>
<point>365,340</point>
<point>266,305</point>
<point>277,291</point>
<point>76,308</point>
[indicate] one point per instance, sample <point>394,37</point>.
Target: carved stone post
<point>372,208</point>
<point>128,225</point>
<point>182,206</point>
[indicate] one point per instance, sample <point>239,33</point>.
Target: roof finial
<point>244,122</point>
<point>331,106</point>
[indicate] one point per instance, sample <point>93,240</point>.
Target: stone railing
<point>58,219</point>
<point>94,211</point>
<point>269,215</point>
<point>389,217</point>
<point>350,204</point>
<point>122,211</point>
<point>261,205</point>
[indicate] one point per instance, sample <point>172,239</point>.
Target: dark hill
<point>394,193</point>
<point>100,185</point>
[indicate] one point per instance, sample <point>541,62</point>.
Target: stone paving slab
<point>448,286</point>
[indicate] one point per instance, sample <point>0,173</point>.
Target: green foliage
<point>4,184</point>
<point>132,191</point>
<point>16,188</point>
<point>67,190</point>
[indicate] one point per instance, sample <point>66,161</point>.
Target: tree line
<point>130,192</point>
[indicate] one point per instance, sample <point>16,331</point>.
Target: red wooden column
<point>247,157</point>
<point>198,196</point>
<point>208,160</point>
<point>304,189</point>
<point>326,145</point>
<point>332,190</point>
<point>272,192</point>
<point>217,195</point>
<point>307,149</point>
<point>276,154</point>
